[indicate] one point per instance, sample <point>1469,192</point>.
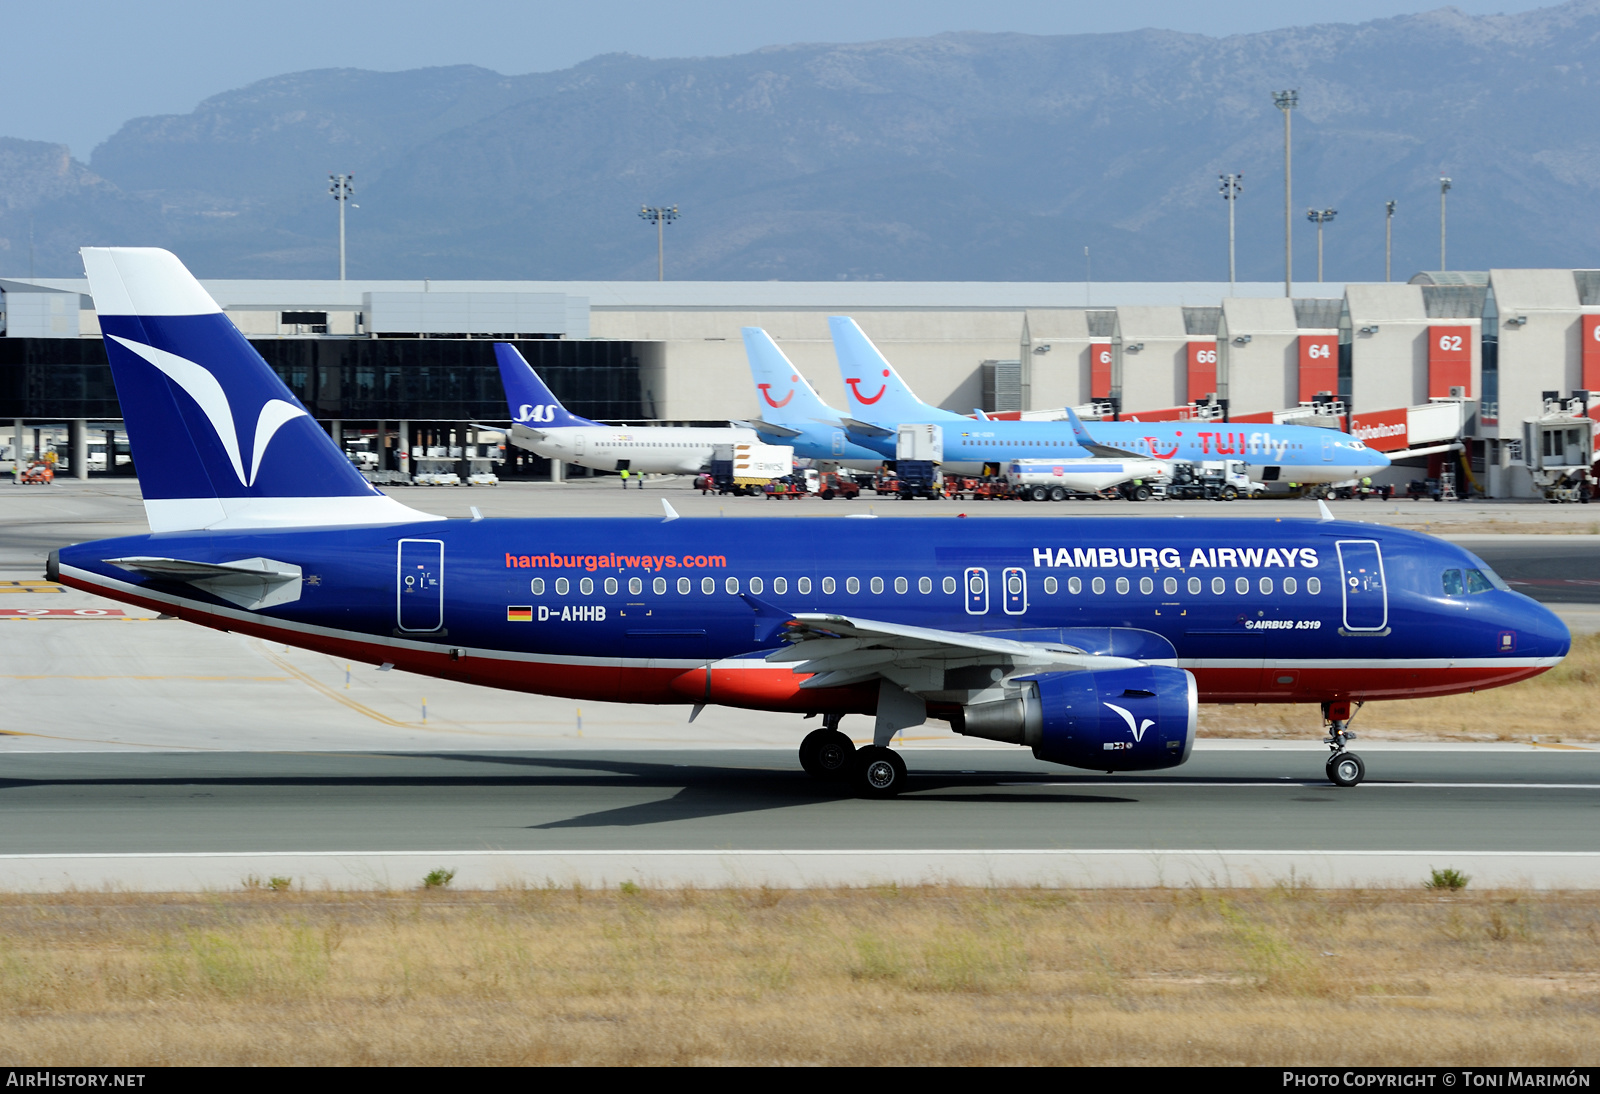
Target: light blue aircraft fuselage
<point>1270,453</point>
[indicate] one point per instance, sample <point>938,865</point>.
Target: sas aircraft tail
<point>784,396</point>
<point>219,441</point>
<point>529,399</point>
<point>876,392</point>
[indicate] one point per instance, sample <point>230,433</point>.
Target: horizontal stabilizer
<point>769,429</point>
<point>250,583</point>
<point>865,429</point>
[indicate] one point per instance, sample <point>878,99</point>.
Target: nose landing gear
<point>1344,768</point>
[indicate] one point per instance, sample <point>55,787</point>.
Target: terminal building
<point>1485,372</point>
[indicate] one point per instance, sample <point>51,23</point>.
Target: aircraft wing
<point>1087,442</point>
<point>865,429</point>
<point>840,650</point>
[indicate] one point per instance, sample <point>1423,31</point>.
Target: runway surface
<point>725,816</point>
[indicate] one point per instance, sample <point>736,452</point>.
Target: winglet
<point>1078,430</point>
<point>672,514</point>
<point>1322,507</point>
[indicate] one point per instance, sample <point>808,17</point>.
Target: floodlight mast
<point>342,187</point>
<point>1231,186</point>
<point>1388,240</point>
<point>1444,188</point>
<point>660,216</point>
<point>1286,101</point>
<point>1319,217</point>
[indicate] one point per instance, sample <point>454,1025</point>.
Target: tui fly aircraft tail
<point>786,398</point>
<point>877,394</point>
<point>531,402</point>
<point>218,440</point>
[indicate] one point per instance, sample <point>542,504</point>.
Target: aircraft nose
<point>1380,462</point>
<point>1541,632</point>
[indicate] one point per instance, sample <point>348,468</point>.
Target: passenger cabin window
<point>611,586</point>
<point>586,586</point>
<point>949,584</point>
<point>1050,585</point>
<point>659,585</point>
<point>1313,585</point>
<point>852,586</point>
<point>635,586</point>
<point>756,585</point>
<point>684,585</point>
<point>708,585</point>
<point>1452,583</point>
<point>924,584</point>
<point>828,585</point>
<point>900,585</point>
<point>562,586</point>
<point>780,585</point>
<point>803,585</point>
<point>538,586</point>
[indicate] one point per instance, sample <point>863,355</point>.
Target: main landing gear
<point>1344,768</point>
<point>873,771</point>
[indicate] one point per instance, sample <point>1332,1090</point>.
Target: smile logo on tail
<point>1127,716</point>
<point>776,404</point>
<point>856,391</point>
<point>208,395</point>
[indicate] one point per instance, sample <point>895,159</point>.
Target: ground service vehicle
<point>1091,642</point>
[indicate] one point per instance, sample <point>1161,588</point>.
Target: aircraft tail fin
<point>529,399</point>
<point>876,392</point>
<point>785,395</point>
<point>219,441</point>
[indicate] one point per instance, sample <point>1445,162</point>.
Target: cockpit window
<point>1452,583</point>
<point>1477,583</point>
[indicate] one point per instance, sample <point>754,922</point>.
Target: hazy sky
<point>75,72</point>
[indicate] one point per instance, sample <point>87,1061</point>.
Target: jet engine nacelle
<point>1135,719</point>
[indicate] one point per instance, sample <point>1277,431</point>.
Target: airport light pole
<point>342,187</point>
<point>1286,101</point>
<point>1231,185</point>
<point>1319,217</point>
<point>660,216</point>
<point>1388,240</point>
<point>1444,188</point>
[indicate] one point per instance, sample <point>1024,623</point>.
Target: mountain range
<point>954,157</point>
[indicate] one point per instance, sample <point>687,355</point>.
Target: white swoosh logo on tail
<point>208,395</point>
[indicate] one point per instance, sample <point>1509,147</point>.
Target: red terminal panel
<point>1100,370</point>
<point>1591,352</point>
<point>1202,371</point>
<point>1449,361</point>
<point>1319,365</point>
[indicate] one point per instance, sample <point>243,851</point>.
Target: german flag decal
<point>519,614</point>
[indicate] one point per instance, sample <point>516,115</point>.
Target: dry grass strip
<point>1557,706</point>
<point>890,976</point>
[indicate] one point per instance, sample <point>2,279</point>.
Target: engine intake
<point>1136,719</point>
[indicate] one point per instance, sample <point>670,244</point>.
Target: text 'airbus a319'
<point>1091,641</point>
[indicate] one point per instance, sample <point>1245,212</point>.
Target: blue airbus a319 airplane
<point>1089,640</point>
